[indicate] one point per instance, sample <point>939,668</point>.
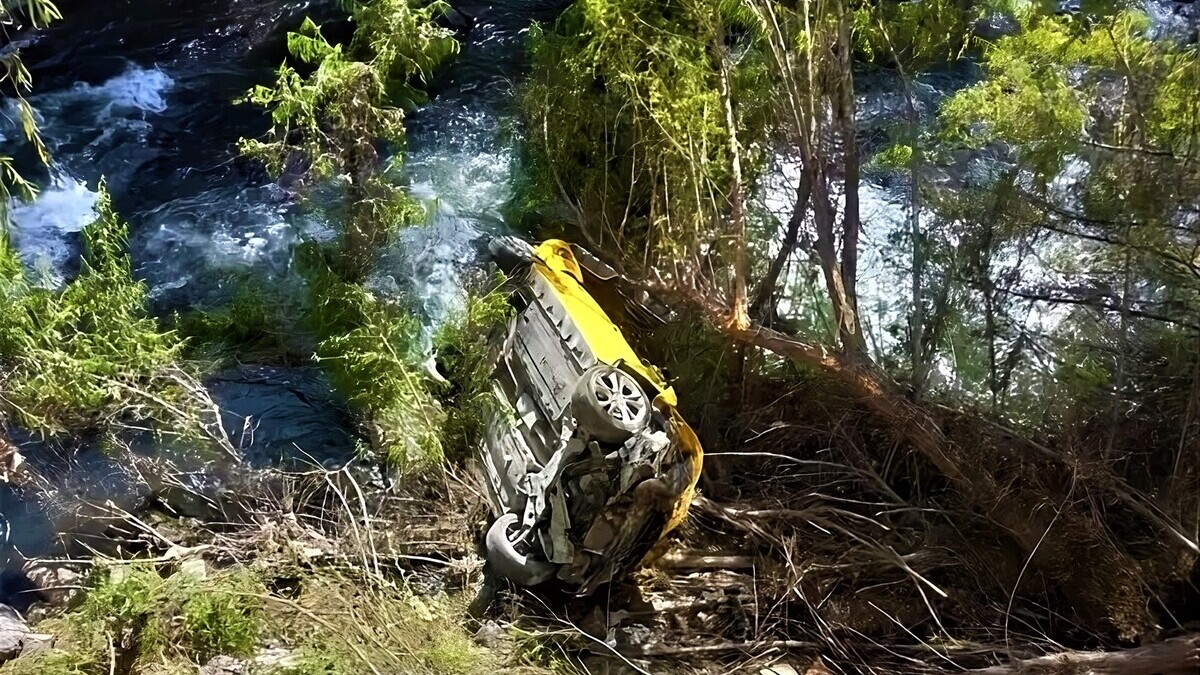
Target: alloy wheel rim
<point>620,396</point>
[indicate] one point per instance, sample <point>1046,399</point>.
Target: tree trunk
<point>844,312</point>
<point>739,316</point>
<point>920,368</point>
<point>763,306</point>
<point>854,343</point>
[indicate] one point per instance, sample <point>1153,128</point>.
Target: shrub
<point>464,348</point>
<point>369,348</point>
<point>140,621</point>
<point>89,353</point>
<point>252,325</point>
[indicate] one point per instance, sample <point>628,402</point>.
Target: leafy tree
<point>333,120</point>
<point>14,15</point>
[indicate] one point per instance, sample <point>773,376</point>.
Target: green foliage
<point>87,354</point>
<point>338,110</point>
<point>334,117</point>
<point>370,349</point>
<point>252,325</point>
<point>226,619</point>
<point>133,615</point>
<point>464,345</point>
<point>38,14</point>
<point>1046,83</point>
<point>184,615</point>
<point>913,35</point>
<point>367,624</point>
<point>403,42</point>
<point>896,156</point>
<point>1095,104</point>
<point>625,119</point>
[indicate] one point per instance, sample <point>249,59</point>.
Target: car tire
<point>610,405</point>
<point>510,563</point>
<point>510,253</point>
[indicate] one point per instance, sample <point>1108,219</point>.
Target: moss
<point>225,619</point>
<point>57,662</point>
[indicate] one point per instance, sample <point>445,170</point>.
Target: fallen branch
<point>678,560</point>
<point>1177,656</point>
<point>1105,590</point>
<point>747,647</point>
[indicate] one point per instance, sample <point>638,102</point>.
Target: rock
<point>12,465</point>
<point>457,21</point>
<point>224,665</point>
<point>274,659</point>
<point>996,26</point>
<point>492,636</point>
<point>56,585</point>
<point>16,638</point>
<point>194,568</point>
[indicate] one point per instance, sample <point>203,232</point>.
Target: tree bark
<point>920,367</point>
<point>844,311</point>
<point>854,343</point>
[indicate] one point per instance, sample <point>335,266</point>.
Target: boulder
<point>224,665</point>
<point>16,638</point>
<point>457,21</point>
<point>55,584</point>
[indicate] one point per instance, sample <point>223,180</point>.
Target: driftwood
<point>1177,656</point>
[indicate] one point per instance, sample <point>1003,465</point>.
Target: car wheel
<point>610,405</point>
<point>510,563</point>
<point>510,253</point>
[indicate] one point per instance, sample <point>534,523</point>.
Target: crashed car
<point>586,461</point>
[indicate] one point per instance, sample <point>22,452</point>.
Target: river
<point>142,95</point>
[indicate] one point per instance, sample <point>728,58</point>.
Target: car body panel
<point>590,504</point>
<point>556,262</point>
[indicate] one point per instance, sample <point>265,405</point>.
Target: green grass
<point>464,348</point>
<point>346,624</point>
<point>254,325</point>
<point>146,622</point>
<point>369,348</point>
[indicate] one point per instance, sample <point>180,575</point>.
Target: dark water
<point>141,94</point>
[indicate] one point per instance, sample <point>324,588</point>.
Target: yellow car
<point>587,462</point>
